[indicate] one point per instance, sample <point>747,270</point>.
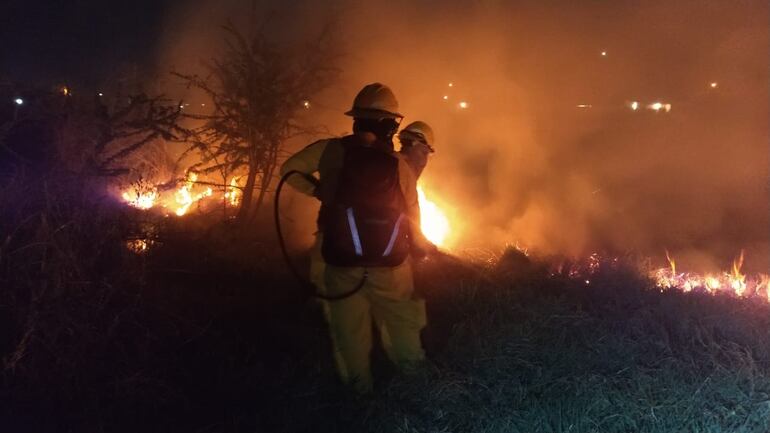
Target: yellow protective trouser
<point>387,298</point>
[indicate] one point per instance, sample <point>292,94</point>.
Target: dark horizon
<point>81,43</point>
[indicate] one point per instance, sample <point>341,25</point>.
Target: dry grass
<point>187,339</point>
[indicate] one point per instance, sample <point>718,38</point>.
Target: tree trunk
<point>262,192</point>
<point>248,193</point>
<point>267,178</point>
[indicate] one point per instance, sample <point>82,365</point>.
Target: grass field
<point>210,334</point>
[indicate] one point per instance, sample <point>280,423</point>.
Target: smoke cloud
<point>548,151</point>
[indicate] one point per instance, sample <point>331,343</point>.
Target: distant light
<point>657,106</point>
<point>203,105</point>
<point>584,105</point>
<point>634,105</point>
<point>101,94</point>
<point>714,85</point>
<point>306,104</point>
<point>181,107</point>
<point>18,101</point>
<point>463,104</point>
<point>446,97</point>
<point>588,282</point>
<point>65,90</point>
<point>604,54</point>
<point>451,84</point>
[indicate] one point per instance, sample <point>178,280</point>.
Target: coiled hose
<point>306,285</point>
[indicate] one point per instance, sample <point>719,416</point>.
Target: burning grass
<point>203,330</point>
<point>212,344</point>
<point>145,195</point>
<point>534,353</point>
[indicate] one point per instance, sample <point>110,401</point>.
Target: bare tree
<point>85,135</point>
<point>98,139</point>
<point>258,89</point>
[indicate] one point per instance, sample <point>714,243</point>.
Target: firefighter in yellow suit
<point>387,295</point>
<point>416,145</point>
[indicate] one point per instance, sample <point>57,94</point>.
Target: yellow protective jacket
<point>325,157</point>
<point>416,158</point>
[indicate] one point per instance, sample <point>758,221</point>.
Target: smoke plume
<point>547,150</point>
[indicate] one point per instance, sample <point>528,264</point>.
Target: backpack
<point>365,222</point>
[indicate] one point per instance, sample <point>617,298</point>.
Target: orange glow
<point>143,195</point>
<point>138,246</point>
<point>233,193</point>
<point>434,223</point>
<point>184,196</point>
<point>140,199</point>
<point>734,282</point>
<point>736,278</point>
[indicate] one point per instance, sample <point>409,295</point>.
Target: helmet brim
<point>361,113</point>
<point>411,135</point>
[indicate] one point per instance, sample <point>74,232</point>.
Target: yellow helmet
<point>375,101</point>
<point>419,131</point>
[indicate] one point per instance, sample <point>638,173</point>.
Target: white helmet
<point>375,101</point>
<point>419,131</point>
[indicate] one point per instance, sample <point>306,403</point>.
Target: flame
<point>734,282</point>
<point>434,224</point>
<point>143,195</point>
<point>738,280</point>
<point>712,283</point>
<point>140,199</point>
<point>671,262</point>
<point>233,193</point>
<point>138,246</point>
<point>184,196</point>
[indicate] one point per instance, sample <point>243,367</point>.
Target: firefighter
<point>416,144</point>
<point>368,228</point>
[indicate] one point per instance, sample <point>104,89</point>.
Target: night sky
<point>76,41</point>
